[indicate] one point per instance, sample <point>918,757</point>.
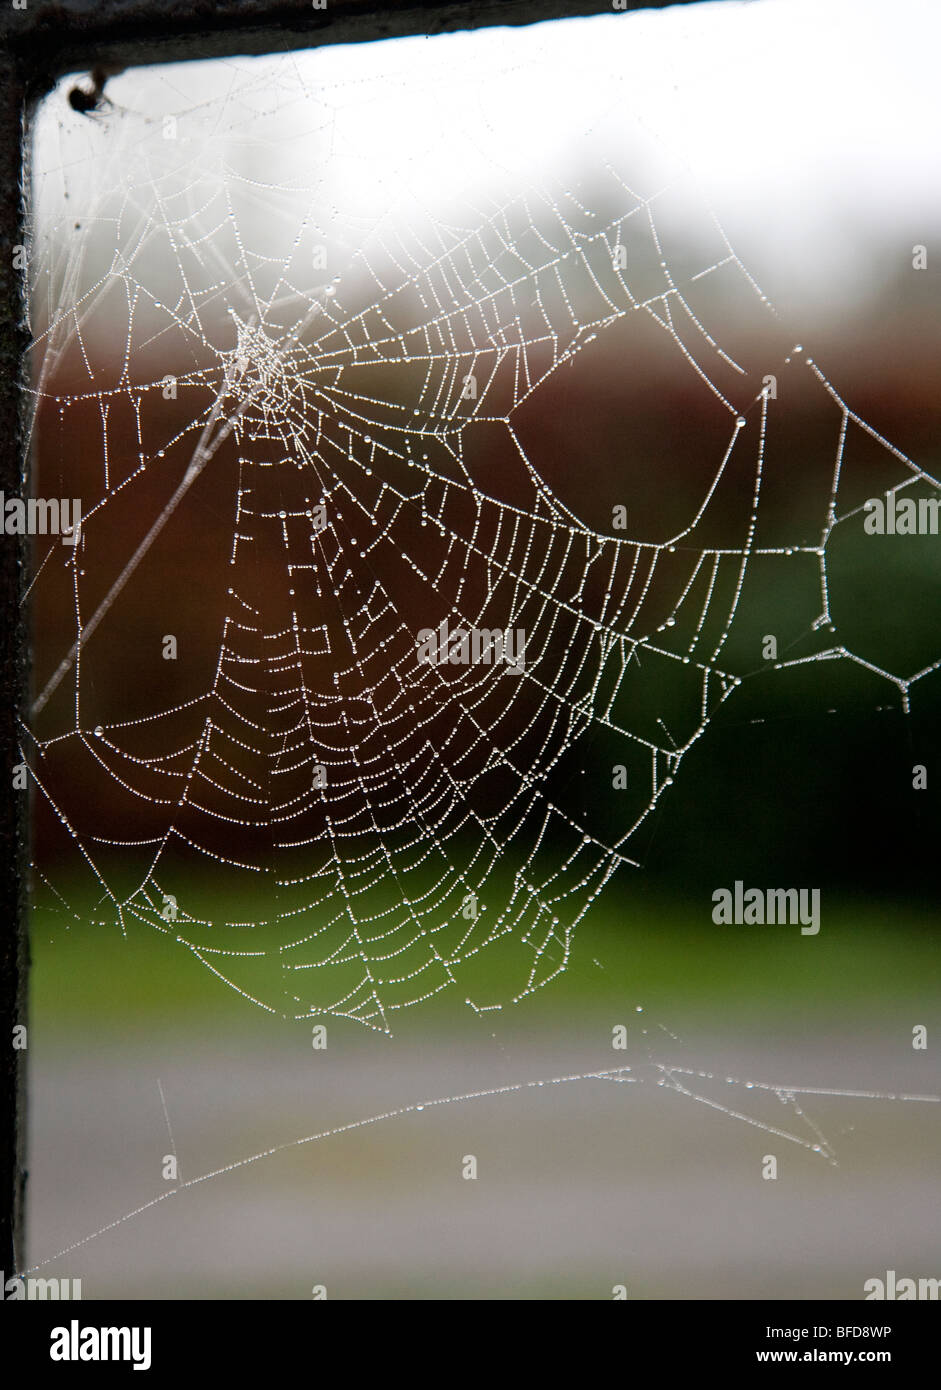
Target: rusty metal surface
<point>52,37</point>
<point>14,338</point>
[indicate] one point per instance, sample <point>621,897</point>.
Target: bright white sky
<point>811,125</point>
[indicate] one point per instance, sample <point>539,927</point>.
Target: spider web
<point>357,444</point>
<point>322,423</point>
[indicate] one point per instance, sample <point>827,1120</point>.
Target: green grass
<point>633,948</point>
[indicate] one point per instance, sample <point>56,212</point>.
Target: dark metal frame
<point>41,43</point>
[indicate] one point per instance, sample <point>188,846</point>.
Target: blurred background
<point>806,135</point>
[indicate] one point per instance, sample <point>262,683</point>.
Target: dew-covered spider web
<point>444,475</point>
<point>304,437</point>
